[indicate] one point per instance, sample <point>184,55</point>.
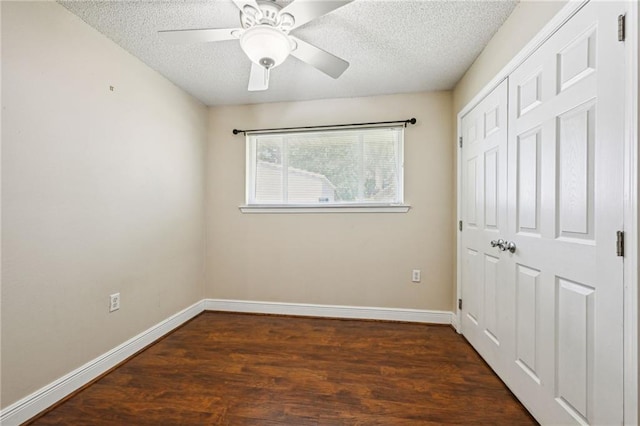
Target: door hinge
<point>460,225</point>
<point>621,27</point>
<point>460,304</point>
<point>460,141</point>
<point>620,243</point>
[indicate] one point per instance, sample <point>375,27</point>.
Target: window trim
<point>335,208</point>
<point>386,207</point>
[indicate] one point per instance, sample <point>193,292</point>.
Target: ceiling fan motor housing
<point>268,14</point>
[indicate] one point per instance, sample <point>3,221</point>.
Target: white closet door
<point>565,178</point>
<point>548,317</point>
<point>484,188</point>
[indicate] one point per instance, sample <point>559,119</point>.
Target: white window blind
<point>362,166</point>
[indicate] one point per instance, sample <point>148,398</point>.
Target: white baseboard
<point>330,311</point>
<point>45,397</point>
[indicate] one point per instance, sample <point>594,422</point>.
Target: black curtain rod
<point>405,122</point>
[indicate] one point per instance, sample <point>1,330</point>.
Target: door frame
<point>631,189</point>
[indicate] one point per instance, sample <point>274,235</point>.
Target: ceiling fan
<point>265,36</point>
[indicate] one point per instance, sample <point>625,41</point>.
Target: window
<point>329,168</point>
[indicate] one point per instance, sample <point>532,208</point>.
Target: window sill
<point>278,208</point>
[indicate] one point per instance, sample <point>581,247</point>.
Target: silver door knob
<point>510,246</point>
<point>504,245</point>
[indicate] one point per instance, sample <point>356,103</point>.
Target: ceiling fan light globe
<point>264,43</point>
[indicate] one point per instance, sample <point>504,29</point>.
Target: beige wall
<point>526,20</point>
<point>362,259</point>
<point>102,192</point>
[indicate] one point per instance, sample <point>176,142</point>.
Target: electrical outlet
<point>114,302</point>
<point>415,275</point>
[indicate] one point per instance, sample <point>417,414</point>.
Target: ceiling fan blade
<point>259,78</point>
<point>320,59</point>
<point>199,36</point>
<point>304,11</point>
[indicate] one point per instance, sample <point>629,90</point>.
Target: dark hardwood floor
<point>237,369</point>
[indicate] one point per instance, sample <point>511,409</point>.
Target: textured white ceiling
<point>392,46</point>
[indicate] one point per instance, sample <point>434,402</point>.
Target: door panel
<point>473,287</point>
<point>472,192</point>
<point>484,198</point>
<point>575,189</point>
<point>575,331</point>
<point>491,189</point>
<point>548,317</point>
<point>528,177</point>
<point>527,314</point>
<point>491,301</point>
<point>565,205</point>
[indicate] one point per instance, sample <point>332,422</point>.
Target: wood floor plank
<point>240,369</point>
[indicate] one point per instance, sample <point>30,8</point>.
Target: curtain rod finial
<point>236,131</point>
<point>413,120</point>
